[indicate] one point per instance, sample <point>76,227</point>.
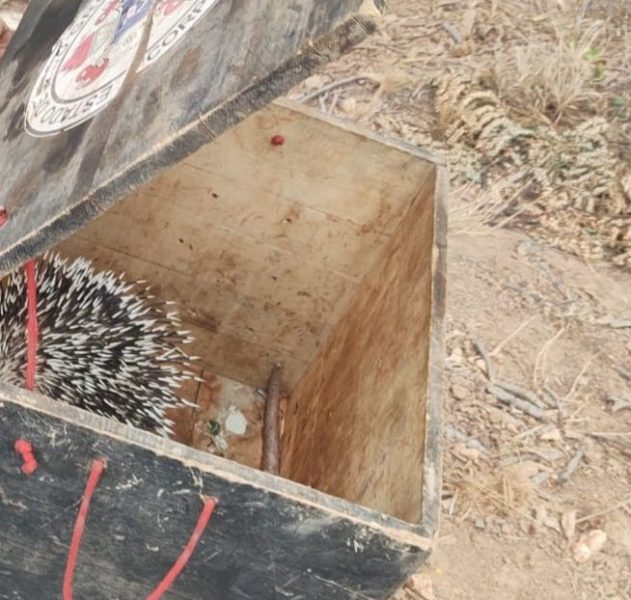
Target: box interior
<point>317,254</point>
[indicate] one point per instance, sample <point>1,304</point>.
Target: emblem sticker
<point>89,63</point>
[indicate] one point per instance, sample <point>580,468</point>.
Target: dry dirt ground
<point>535,312</point>
<point>521,491</point>
<point>533,506</point>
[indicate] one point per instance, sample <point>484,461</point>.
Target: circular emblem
<point>89,63</point>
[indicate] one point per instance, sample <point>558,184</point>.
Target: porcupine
<point>105,345</point>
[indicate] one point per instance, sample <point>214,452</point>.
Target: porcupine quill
<point>105,345</point>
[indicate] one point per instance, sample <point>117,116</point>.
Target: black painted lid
<point>97,96</point>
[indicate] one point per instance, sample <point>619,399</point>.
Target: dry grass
<point>554,82</point>
<point>505,492</point>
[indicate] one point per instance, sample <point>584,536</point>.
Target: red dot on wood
<point>278,140</point>
<point>4,216</point>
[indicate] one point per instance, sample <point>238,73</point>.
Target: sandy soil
<point>511,548</point>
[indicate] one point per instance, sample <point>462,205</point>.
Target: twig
<point>606,511</point>
<point>618,403</point>
<point>617,323</point>
<point>336,84</point>
<point>520,392</point>
<point>558,404</point>
<point>485,357</point>
<point>623,446</point>
<point>580,375</point>
<point>512,400</point>
<point>271,438</point>
<point>608,433</point>
<point>542,355</point>
<point>505,341</point>
<point>555,398</point>
<point>626,374</point>
<point>454,34</point>
<point>565,475</point>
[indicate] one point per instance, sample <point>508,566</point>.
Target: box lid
<point>98,96</point>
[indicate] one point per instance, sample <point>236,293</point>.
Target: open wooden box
<point>322,254</point>
<point>325,253</point>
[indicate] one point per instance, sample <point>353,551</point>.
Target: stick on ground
<point>271,435</point>
<point>336,84</point>
<point>521,392</point>
<point>523,405</point>
<point>565,475</point>
<point>485,357</point>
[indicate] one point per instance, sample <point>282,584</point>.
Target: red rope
<point>32,327</point>
<point>25,449</point>
<point>180,563</point>
<point>95,474</point>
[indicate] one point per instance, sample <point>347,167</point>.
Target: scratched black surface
<point>260,543</point>
<point>237,58</point>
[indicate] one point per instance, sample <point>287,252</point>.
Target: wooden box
<point>325,253</point>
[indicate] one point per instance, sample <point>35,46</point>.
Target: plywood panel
<point>262,246</point>
<point>355,426</point>
<point>246,357</point>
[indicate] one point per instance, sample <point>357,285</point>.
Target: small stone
<point>459,392</point>
<point>554,435</point>
<point>421,586</point>
<point>481,365</point>
<point>468,453</point>
<point>348,105</point>
<point>457,356</point>
<point>479,524</point>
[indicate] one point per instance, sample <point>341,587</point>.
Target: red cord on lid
<point>32,327</point>
<point>4,216</point>
<point>180,563</point>
<point>98,466</point>
<point>25,449</point>
<point>95,474</point>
